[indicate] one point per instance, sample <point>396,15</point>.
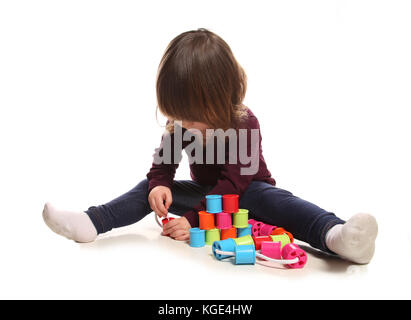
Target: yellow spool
<point>283,238</point>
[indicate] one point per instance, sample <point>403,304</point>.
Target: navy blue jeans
<point>306,221</point>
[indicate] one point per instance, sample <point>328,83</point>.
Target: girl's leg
<point>133,205</point>
<point>275,206</point>
<point>353,240</point>
<point>122,211</point>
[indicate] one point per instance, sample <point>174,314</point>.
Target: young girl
<point>201,86</point>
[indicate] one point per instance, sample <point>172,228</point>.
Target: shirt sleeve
<point>232,180</point>
<point>165,162</point>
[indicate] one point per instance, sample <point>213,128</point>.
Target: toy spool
<point>245,240</point>
<point>291,251</point>
<point>271,249</point>
<point>228,233</point>
<point>213,203</point>
<point>277,231</point>
<point>252,221</point>
<point>244,254</point>
<point>197,237</point>
<point>230,203</point>
<point>206,220</point>
<point>166,220</point>
<point>244,231</point>
<point>241,218</point>
<point>259,240</point>
<point>211,236</point>
<point>266,229</point>
<point>223,245</point>
<point>283,238</point>
<point>255,230</point>
<point>224,220</point>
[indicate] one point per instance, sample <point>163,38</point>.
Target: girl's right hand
<point>160,200</point>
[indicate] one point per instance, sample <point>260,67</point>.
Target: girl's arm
<point>162,174</point>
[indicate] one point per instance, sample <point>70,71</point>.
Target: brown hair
<point>199,79</point>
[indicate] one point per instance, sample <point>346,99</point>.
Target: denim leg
<point>276,206</point>
<point>133,205</point>
<point>186,195</point>
<point>123,210</point>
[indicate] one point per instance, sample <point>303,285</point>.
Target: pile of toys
<point>231,234</point>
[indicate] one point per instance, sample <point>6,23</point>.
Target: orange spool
<point>228,233</point>
<point>206,220</point>
<point>280,231</point>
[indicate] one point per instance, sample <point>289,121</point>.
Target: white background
<point>329,81</point>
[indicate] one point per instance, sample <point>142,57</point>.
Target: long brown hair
<point>199,79</point>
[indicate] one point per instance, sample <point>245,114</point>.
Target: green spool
<point>283,238</point>
<point>211,236</point>
<point>241,218</point>
<point>245,240</point>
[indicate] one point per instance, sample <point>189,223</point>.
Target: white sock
<point>74,225</point>
<point>354,240</point>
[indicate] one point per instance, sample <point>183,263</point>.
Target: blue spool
<point>223,245</point>
<point>245,254</point>
<point>244,231</point>
<point>197,237</point>
<point>214,203</point>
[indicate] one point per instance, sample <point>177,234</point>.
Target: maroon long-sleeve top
<point>226,178</point>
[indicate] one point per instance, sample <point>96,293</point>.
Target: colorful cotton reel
<point>271,249</point>
<point>227,245</point>
<point>211,236</point>
<point>244,254</point>
<point>206,220</point>
<point>259,240</point>
<point>197,237</point>
<point>241,218</point>
<point>291,251</point>
<point>255,229</point>
<point>277,231</point>
<point>246,240</point>
<point>283,238</point>
<point>228,233</point>
<point>224,220</point>
<point>213,203</point>
<point>266,229</point>
<point>164,221</point>
<point>230,203</point>
<point>245,231</point>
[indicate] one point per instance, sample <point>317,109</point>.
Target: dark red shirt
<point>226,178</point>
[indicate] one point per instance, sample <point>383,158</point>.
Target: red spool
<point>165,220</point>
<point>230,203</point>
<point>259,240</point>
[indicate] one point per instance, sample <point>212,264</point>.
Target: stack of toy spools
<point>227,228</point>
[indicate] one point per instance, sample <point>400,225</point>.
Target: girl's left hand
<point>178,229</point>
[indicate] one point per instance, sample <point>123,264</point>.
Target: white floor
<point>136,262</point>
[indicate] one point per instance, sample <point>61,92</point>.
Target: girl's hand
<point>178,229</point>
<point>160,200</point>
